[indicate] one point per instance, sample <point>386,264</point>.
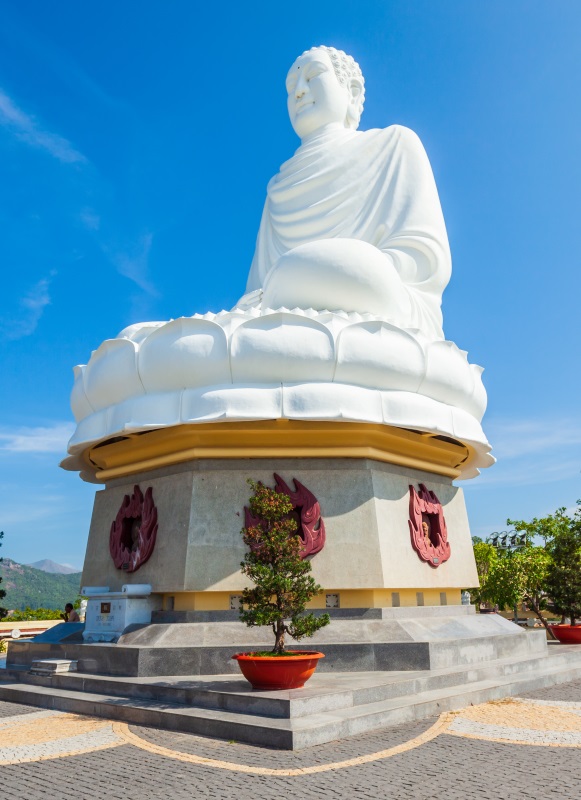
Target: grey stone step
<point>303,731</point>
<point>341,690</point>
<point>151,661</point>
<point>52,666</point>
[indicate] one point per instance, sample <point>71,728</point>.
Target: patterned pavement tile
<point>41,735</point>
<point>522,748</point>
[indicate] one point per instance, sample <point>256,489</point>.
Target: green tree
<point>30,614</point>
<point>2,591</point>
<point>546,527</point>
<point>282,581</point>
<point>520,577</point>
<point>485,556</point>
<point>564,574</point>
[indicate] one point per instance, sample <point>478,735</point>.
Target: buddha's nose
<point>301,88</point>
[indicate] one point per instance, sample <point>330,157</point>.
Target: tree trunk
<point>539,615</point>
<point>279,631</point>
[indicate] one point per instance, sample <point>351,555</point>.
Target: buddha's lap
<point>336,274</point>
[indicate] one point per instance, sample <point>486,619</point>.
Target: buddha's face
<point>316,99</point>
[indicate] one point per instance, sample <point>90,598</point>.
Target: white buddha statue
<point>342,317</point>
<point>352,221</point>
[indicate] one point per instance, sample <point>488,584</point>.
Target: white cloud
<point>51,439</point>
<point>528,472</point>
<point>516,438</point>
<point>133,262</point>
<point>25,128</point>
<point>532,452</point>
<point>90,219</point>
<point>32,306</point>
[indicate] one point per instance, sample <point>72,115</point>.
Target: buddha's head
<point>325,88</point>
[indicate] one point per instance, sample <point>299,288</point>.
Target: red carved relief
<point>428,527</point>
<point>307,513</point>
<point>134,531</point>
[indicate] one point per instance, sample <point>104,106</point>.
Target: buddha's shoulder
<point>394,134</point>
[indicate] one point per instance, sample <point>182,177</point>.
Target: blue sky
<point>136,141</point>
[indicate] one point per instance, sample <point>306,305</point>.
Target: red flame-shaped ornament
<point>306,511</point>
<point>134,530</point>
<point>428,527</point>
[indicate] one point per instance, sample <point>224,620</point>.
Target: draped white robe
<point>376,186</point>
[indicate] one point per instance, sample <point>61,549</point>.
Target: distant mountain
<point>28,586</point>
<point>46,565</point>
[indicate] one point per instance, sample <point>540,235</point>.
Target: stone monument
<point>330,376</point>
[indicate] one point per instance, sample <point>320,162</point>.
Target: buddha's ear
<point>355,87</point>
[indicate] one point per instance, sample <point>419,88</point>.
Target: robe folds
<point>376,186</point>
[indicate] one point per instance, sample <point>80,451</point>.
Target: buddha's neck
<point>333,128</point>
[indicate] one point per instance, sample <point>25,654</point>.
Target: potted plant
<point>563,583</point>
<point>282,588</point>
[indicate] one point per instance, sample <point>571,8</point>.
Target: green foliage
<point>547,527</point>
<point>29,614</point>
<point>563,583</point>
<point>520,577</point>
<point>27,586</point>
<point>485,556</point>
<point>282,581</point>
<point>2,591</point>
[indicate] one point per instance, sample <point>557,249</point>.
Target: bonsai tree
<point>282,581</point>
<point>563,583</point>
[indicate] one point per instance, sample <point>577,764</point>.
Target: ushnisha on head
<point>325,90</point>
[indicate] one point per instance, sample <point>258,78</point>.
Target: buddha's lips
<point>300,106</point>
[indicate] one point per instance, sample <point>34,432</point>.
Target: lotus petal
<point>184,354</point>
<point>111,375</point>
<point>282,347</point>
<point>79,401</point>
<point>448,375</point>
<point>380,356</point>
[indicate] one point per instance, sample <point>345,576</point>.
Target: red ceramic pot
<point>278,672</point>
<point>567,634</point>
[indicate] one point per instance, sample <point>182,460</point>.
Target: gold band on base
<point>346,598</point>
<point>279,438</point>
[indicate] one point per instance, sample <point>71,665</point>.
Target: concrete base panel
<point>364,504</point>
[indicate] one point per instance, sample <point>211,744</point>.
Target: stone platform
<point>330,707</point>
<point>379,639</point>
<point>381,667</point>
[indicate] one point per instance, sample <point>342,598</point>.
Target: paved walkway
<point>524,747</point>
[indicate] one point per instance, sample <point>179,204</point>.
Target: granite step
<point>322,725</point>
<point>341,690</point>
